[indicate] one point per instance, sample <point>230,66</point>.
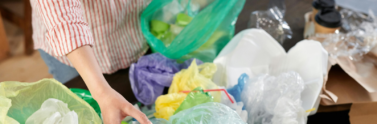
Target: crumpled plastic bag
<point>272,21</point>
<point>236,90</point>
<point>151,74</point>
<point>193,77</point>
<point>275,99</point>
<point>53,111</point>
<point>207,113</point>
<point>195,97</point>
<point>167,104</point>
<point>34,94</point>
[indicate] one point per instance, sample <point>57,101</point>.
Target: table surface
<point>295,10</point>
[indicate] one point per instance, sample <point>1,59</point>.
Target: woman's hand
<point>115,108</point>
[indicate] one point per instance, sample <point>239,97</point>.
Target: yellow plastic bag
<point>167,104</point>
<point>195,76</point>
<point>191,78</point>
<point>20,100</point>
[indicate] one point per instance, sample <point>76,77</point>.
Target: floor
<point>20,67</point>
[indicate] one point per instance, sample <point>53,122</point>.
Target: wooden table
<point>294,17</point>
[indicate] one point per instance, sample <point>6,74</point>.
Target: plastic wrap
<point>193,77</point>
<point>272,21</point>
<point>53,111</point>
<point>195,97</point>
<point>270,98</point>
<point>14,95</point>
<point>215,17</point>
<point>355,48</point>
<point>207,113</point>
<point>151,74</point>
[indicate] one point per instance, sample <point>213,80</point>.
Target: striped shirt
<point>111,27</point>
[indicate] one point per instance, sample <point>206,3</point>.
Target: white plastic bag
<point>255,52</point>
<point>53,111</point>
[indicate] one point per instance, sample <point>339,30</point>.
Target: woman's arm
<point>68,34</point>
<point>113,106</point>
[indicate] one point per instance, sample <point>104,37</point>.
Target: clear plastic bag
<point>272,21</point>
<point>14,95</point>
<point>270,98</point>
<point>151,74</point>
<point>53,111</point>
<point>355,49</point>
<point>207,113</point>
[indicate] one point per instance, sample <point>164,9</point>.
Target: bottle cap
<point>320,4</point>
<point>329,18</point>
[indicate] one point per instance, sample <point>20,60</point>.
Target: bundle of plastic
<point>53,111</point>
<point>355,48</point>
<point>151,74</point>
<point>275,99</point>
<point>206,113</point>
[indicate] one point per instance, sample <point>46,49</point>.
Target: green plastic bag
<point>196,97</point>
<point>20,100</point>
<point>203,38</point>
<point>87,97</point>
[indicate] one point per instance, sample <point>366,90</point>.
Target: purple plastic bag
<point>151,74</point>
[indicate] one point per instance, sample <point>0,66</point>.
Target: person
<point>94,37</point>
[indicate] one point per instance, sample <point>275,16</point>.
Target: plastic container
<point>308,58</point>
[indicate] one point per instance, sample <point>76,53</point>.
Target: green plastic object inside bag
<point>196,97</point>
<point>20,100</point>
<point>87,97</point>
<point>203,38</point>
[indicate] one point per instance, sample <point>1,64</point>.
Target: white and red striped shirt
<point>111,27</point>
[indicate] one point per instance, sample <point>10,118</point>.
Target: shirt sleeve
<point>66,27</point>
